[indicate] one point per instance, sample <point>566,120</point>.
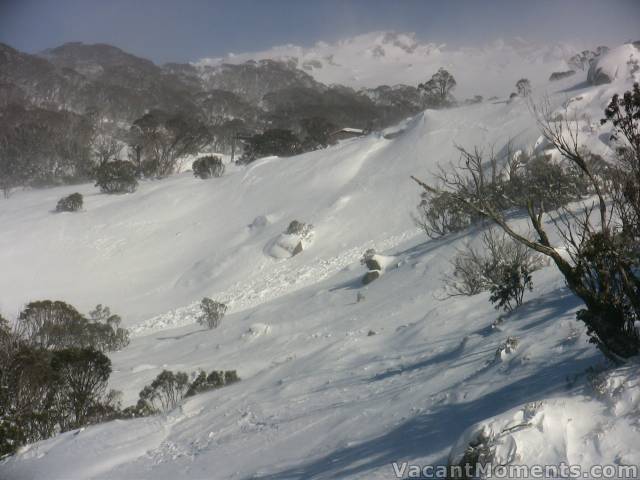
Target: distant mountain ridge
<point>389,58</point>
<point>80,77</point>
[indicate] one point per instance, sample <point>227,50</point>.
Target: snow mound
<point>560,430</point>
<point>620,63</point>
<point>257,330</point>
<point>288,245</point>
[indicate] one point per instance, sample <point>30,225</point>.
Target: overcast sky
<point>165,30</point>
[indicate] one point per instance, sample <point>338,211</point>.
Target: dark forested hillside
<point>102,91</point>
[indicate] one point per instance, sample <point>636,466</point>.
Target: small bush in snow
<point>212,312</point>
<point>207,167</point>
<point>503,268</point>
<point>440,213</point>
<point>118,176</point>
<point>468,277</point>
<point>508,269</point>
<point>523,86</point>
<point>480,451</point>
<point>70,203</point>
<point>215,379</point>
<point>169,388</point>
<point>511,281</point>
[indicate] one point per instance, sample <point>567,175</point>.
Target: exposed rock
<point>597,76</point>
<point>560,75</point>
<point>298,249</point>
<point>372,263</point>
<point>370,277</point>
<point>621,62</point>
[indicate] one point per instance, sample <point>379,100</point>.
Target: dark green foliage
<point>230,376</point>
<point>165,138</point>
<point>437,90</point>
<point>52,325</point>
<point>56,325</point>
<point>27,396</point>
<point>104,330</point>
<point>511,281</point>
<point>547,185</point>
<point>43,147</point>
<point>141,409</point>
<point>624,115</point>
<point>317,132</point>
<point>43,392</point>
<point>280,142</point>
<point>82,376</point>
<point>207,167</point>
<point>607,270</point>
<point>118,176</point>
<point>212,312</point>
<point>166,390</point>
<point>523,87</point>
<point>51,375</point>
<point>560,75</point>
<point>70,203</point>
<point>216,379</point>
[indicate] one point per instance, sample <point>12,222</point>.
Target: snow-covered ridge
<point>389,58</point>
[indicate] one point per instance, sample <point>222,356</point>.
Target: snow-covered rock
<point>620,63</point>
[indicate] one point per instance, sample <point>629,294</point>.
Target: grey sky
<point>165,30</point>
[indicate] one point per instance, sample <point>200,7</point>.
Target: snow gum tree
<point>601,238</point>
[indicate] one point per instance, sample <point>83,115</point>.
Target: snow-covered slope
<point>331,387</point>
<point>389,58</point>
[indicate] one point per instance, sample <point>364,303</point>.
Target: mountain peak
<point>389,57</point>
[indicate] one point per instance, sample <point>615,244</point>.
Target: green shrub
<point>70,203</point>
<point>503,267</point>
<point>118,176</point>
<point>207,167</point>
<point>216,379</point>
